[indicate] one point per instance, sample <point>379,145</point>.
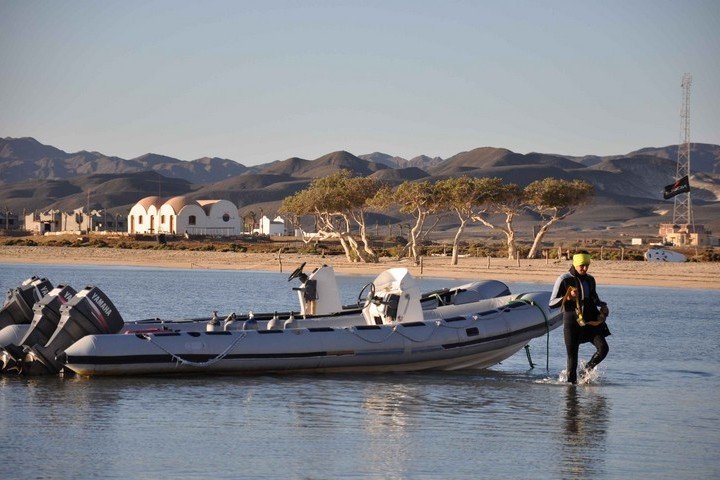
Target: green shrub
<point>203,248</point>
<point>236,247</point>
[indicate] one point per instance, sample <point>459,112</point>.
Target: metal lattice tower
<point>682,213</point>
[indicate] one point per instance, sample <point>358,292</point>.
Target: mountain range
<point>24,159</point>
<point>628,187</point>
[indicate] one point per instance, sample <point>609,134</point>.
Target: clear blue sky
<point>262,81</point>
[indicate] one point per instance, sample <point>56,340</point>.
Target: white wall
<point>134,225</point>
<point>270,228</point>
<point>168,226</point>
<point>183,220</point>
<point>222,219</point>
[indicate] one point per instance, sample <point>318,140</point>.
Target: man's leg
<point>602,351</point>
<point>571,346</point>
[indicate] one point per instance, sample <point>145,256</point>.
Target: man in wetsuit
<point>575,293</point>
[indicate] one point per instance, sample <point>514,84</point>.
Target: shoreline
<point>607,272</point>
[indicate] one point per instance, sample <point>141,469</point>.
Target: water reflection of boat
<point>392,328</point>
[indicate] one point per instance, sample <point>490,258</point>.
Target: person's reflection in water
<point>586,422</point>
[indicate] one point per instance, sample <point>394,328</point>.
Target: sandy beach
<point>609,272</point>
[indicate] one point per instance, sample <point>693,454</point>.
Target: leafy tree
<point>249,219</point>
<point>337,202</point>
<point>418,199</point>
<point>467,197</point>
<point>508,201</point>
<point>555,199</point>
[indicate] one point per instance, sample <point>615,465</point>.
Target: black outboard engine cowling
<point>90,312</point>
<point>44,324</point>
<point>19,302</point>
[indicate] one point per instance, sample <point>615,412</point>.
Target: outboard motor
<point>44,323</point>
<point>10,337</point>
<point>18,305</point>
<point>90,312</point>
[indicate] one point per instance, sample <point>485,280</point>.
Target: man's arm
<point>558,292</point>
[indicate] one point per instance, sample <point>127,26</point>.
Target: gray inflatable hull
<point>473,335</point>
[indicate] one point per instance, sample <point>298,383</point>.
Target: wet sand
<point>609,272</point>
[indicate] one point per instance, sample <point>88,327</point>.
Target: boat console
<point>318,292</point>
<point>393,297</point>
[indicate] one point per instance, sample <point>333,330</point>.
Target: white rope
<point>395,329</point>
<point>181,361</point>
<point>437,325</point>
<point>355,332</point>
<point>445,325</point>
<point>474,318</point>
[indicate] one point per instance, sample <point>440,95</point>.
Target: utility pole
<point>682,212</point>
<point>159,184</point>
<point>87,213</point>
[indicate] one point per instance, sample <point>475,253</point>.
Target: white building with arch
<point>178,216</point>
<point>141,218</point>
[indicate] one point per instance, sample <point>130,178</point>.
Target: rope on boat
<point>397,330</point>
<point>437,325</point>
<point>355,332</point>
<point>181,361</point>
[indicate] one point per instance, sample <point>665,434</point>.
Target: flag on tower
<point>682,185</point>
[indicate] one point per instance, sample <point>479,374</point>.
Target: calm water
<point>655,412</point>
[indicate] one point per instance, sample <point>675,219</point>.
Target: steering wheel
<point>297,272</point>
<point>370,296</point>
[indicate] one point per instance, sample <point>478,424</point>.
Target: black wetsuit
<point>574,333</point>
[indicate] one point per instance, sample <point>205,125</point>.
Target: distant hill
<point>27,149</point>
<point>399,175</point>
<point>325,165</point>
<point>628,187</point>
<point>250,189</point>
<point>105,191</point>
<point>422,162</point>
<point>704,157</point>
<point>640,176</point>
<point>488,157</point>
<point>291,166</point>
<point>23,159</point>
<point>385,159</point>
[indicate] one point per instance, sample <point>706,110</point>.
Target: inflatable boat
<point>392,328</point>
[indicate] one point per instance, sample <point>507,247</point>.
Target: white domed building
<point>142,215</point>
<point>178,216</point>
